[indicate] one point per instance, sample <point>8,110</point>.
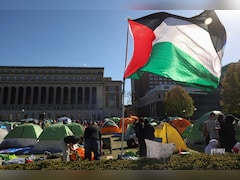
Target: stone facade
<point>50,92</point>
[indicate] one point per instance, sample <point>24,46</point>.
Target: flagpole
<point>123,91</point>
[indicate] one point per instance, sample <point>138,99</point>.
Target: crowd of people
<point>143,131</point>
<point>92,140</point>
<point>219,132</point>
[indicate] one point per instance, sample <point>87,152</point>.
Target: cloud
<point>85,65</point>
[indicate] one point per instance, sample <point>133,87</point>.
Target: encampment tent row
<point>50,138</point>
<point>22,136</point>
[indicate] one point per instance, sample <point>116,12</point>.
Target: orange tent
<point>127,120</point>
<point>125,125</point>
<point>180,124</point>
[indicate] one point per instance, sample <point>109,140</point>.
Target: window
<point>7,78</point>
<point>94,95</point>
<point>65,95</point>
<point>73,95</point>
<point>112,101</point>
<point>87,95</point>
<point>111,88</point>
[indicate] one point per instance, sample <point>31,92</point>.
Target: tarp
<point>50,138</point>
<point>168,134</point>
<point>80,154</point>
<point>76,128</point>
<point>21,150</point>
<point>21,136</point>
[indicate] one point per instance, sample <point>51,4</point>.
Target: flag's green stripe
<point>169,61</point>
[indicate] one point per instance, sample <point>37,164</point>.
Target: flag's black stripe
<point>216,29</point>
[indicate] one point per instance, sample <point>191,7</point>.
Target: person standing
<point>221,120</point>
<point>148,133</point>
<point>148,130</point>
<point>212,127</point>
<point>229,133</point>
<point>92,141</point>
<point>140,136</point>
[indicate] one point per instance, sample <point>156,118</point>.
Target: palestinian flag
<point>186,50</point>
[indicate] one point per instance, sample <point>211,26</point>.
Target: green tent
<point>55,132</point>
<point>115,119</point>
<point>27,130</point>
<point>21,136</point>
<point>50,138</point>
<point>195,134</point>
<point>76,128</point>
<point>187,131</point>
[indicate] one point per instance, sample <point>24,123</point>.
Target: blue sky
<point>51,34</point>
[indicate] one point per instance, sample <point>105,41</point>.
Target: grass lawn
<point>117,149</point>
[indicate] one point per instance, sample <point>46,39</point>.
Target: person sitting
<point>68,143</point>
<point>213,143</point>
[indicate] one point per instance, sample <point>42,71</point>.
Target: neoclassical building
<point>50,91</point>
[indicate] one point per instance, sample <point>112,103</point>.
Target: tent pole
<point>123,91</point>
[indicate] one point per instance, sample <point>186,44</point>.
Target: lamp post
<point>44,115</point>
<point>23,113</point>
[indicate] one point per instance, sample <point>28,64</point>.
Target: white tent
<point>64,119</point>
<point>3,133</point>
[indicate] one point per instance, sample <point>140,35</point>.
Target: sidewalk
<point>118,147</point>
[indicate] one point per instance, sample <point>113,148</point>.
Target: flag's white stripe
<point>185,35</point>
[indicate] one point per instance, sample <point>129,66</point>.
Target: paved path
<point>118,147</point>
